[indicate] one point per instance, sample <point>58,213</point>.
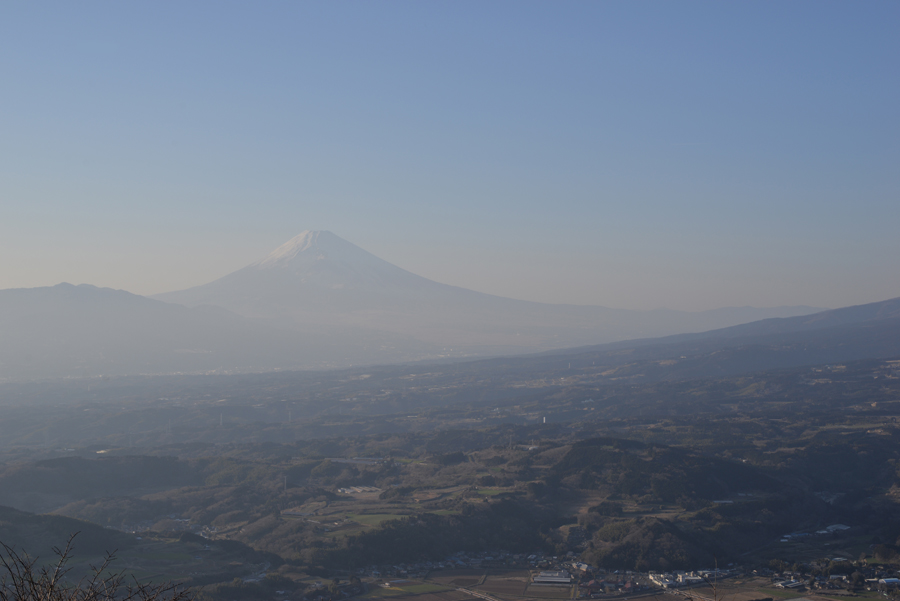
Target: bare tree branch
<point>21,579</point>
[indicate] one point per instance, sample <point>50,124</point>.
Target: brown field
<point>548,592</point>
<point>465,581</point>
<point>427,495</point>
<point>660,597</point>
<point>523,575</point>
<point>503,587</point>
<point>441,596</point>
<point>413,591</point>
<point>457,577</point>
<point>749,595</point>
<point>749,590</point>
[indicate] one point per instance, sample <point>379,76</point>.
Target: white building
<point>553,578</point>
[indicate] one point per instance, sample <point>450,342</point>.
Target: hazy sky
<point>629,154</point>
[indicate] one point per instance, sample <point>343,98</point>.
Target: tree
<point>21,579</point>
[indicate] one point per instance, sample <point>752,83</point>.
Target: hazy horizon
<point>276,250</point>
<point>426,301</point>
<point>634,155</point>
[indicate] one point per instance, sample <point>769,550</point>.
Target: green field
<point>379,591</point>
<point>373,519</point>
<point>407,588</point>
<point>424,588</point>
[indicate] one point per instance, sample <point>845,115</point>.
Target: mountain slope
<point>313,272</point>
<point>319,278</point>
<point>870,331</point>
<point>39,534</point>
<point>67,330</point>
<point>856,314</point>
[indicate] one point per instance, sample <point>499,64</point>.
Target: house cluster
<point>679,578</point>
<point>793,584</point>
<point>611,583</point>
<point>540,563</point>
<point>357,460</point>
<point>879,578</point>
<point>358,489</point>
<point>593,582</point>
<point>488,559</point>
<point>871,577</point>
<point>547,571</point>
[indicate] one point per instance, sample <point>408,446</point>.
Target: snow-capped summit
<point>302,242</point>
<point>322,258</point>
<point>315,272</point>
<point>316,245</point>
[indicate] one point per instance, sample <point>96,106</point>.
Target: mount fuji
<point>318,279</point>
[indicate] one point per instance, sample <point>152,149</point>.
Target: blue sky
<point>632,154</point>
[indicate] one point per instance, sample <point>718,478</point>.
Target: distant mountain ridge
<point>78,331</point>
<point>317,277</point>
<point>869,313</point>
<point>316,302</point>
<point>312,271</point>
<point>869,331</point>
